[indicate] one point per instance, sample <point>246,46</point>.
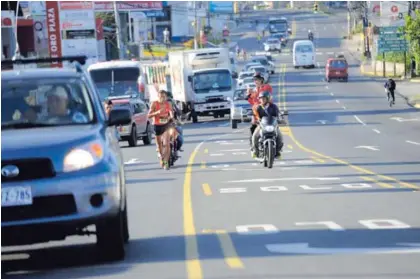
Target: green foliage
<point>412,33</point>
<point>358,29</point>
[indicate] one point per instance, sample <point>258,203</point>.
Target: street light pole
<point>118,31</point>
<point>195,25</point>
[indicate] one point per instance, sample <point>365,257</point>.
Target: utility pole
<point>118,31</point>
<point>365,29</point>
<point>348,20</point>
<point>195,25</point>
<point>291,4</point>
<point>208,13</point>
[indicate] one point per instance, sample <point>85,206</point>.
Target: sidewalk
<point>410,91</point>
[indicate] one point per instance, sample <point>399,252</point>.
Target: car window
<point>52,101</point>
<point>137,108</point>
<point>338,64</point>
<point>143,107</point>
<point>239,95</point>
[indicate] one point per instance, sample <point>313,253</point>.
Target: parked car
<point>248,82</point>
<point>336,68</point>
<point>140,126</point>
<point>62,167</point>
<point>251,64</point>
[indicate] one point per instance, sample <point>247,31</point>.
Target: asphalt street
<point>342,203</point>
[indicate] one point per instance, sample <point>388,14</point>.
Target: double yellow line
<point>373,176</point>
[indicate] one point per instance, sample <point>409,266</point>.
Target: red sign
<point>128,5</point>
<point>54,36</point>
<point>99,29</point>
<point>5,21</point>
<point>394,9</point>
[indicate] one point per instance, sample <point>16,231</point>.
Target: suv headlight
<point>84,156</point>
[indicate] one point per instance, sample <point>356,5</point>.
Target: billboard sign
<point>125,6</point>
<point>393,13</point>
<point>221,7</point>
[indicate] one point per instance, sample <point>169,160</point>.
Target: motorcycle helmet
<point>264,94</point>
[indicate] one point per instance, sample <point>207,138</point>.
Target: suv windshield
<point>52,102</point>
<point>219,80</point>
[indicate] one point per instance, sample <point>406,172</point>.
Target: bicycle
<point>389,96</point>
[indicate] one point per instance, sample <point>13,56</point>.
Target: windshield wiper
<point>25,125</point>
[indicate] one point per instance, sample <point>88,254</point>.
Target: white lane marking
<point>373,148</point>
<point>318,53</point>
<point>329,224</point>
<point>400,119</point>
<point>332,94</point>
<point>326,87</point>
<point>220,141</point>
<point>305,249</point>
<point>223,125</point>
<point>220,166</point>
<point>384,224</point>
<point>344,107</point>
<point>239,153</point>
<point>306,187</point>
<point>323,122</point>
<point>282,179</point>
<point>133,161</point>
<point>303,162</point>
<point>273,188</point>
<point>376,131</point>
<point>412,142</point>
<point>217,154</point>
<point>232,190</point>
<point>233,150</point>
<point>357,186</point>
<point>337,101</point>
<point>287,151</point>
<point>331,52</point>
<point>256,229</point>
<point>325,28</point>
<point>359,120</point>
<point>15,257</point>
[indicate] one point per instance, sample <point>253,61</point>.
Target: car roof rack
<point>79,61</point>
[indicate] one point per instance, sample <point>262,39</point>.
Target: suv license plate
<point>15,196</point>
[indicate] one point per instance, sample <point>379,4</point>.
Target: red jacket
<point>253,98</point>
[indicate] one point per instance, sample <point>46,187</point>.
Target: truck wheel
<point>110,238</point>
<point>234,124</point>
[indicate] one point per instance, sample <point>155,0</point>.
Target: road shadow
<point>254,244</point>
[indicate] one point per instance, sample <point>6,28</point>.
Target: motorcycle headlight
<point>84,156</point>
<point>269,129</point>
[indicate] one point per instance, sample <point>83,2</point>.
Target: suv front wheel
<point>132,141</point>
<point>110,238</point>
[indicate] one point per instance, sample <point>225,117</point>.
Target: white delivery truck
<point>201,81</point>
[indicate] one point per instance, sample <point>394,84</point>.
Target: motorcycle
<point>269,131</point>
<point>311,37</point>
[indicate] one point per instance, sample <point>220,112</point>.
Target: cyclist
<point>162,113</point>
<point>390,89</point>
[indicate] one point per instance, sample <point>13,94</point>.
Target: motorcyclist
<point>252,96</point>
<point>310,35</point>
<point>265,108</point>
<point>177,121</point>
<point>390,89</point>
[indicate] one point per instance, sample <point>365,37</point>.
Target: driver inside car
<point>265,108</point>
<point>59,108</point>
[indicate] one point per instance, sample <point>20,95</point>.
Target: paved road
<point>342,203</point>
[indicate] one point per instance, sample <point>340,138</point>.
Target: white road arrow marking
<point>304,248</point>
<point>232,190</point>
<point>400,119</point>
<point>283,179</point>
<point>323,122</point>
<point>374,148</point>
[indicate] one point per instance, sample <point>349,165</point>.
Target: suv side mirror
<point>119,117</point>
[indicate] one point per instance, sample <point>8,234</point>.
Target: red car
<point>336,68</point>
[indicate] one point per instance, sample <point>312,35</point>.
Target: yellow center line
<point>193,264</point>
<point>206,151</point>
<point>317,159</point>
<point>384,185</point>
<point>207,189</point>
<point>282,99</point>
<point>228,249</point>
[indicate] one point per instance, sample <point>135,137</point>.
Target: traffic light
<point>315,7</point>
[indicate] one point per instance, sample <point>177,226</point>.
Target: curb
<point>415,80</point>
<point>413,104</point>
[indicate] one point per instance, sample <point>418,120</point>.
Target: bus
<point>278,25</point>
